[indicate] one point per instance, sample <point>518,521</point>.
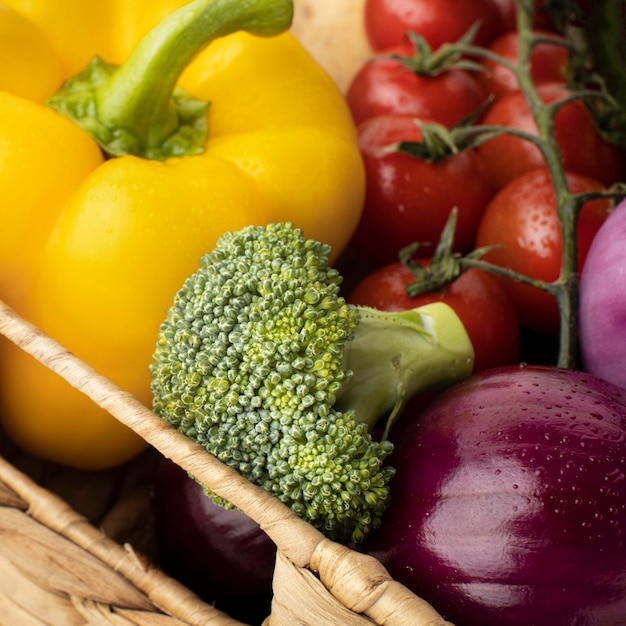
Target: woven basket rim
<point>161,591</point>
<point>356,580</point>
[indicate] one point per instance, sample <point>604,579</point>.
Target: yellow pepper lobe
<point>127,239</point>
<point>43,158</point>
<point>289,129</point>
<point>29,65</point>
<point>70,430</point>
<point>109,242</point>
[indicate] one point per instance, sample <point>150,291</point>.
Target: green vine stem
<point>565,288</point>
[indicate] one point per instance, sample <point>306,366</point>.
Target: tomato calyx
<point>428,62</point>
<point>439,142</point>
<point>444,267</point>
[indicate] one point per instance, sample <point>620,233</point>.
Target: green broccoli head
<point>250,362</point>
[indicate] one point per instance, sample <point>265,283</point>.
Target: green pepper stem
<point>136,108</point>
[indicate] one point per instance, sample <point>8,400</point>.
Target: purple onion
<point>602,323</point>
<point>509,503</point>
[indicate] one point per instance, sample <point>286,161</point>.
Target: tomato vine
<point>601,100</point>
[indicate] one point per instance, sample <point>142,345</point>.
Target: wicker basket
<point>60,568</point>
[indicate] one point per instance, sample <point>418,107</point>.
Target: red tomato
<point>408,199</point>
<point>506,16</point>
<point>384,85</point>
<point>522,219</point>
<point>440,21</point>
<point>582,149</point>
<point>477,298</point>
<point>547,64</point>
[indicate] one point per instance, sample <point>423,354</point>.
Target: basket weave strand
<point>56,554</point>
<point>351,582</point>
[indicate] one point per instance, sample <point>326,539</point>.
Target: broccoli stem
<point>395,355</point>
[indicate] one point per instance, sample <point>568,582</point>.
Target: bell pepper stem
<point>137,106</point>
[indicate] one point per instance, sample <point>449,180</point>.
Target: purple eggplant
<point>602,323</point>
<point>509,503</point>
<point>222,555</point>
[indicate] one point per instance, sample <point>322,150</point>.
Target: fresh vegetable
<point>582,149</point>
<point>508,504</point>
<point>410,197</point>
<point>92,248</point>
<point>506,15</point>
<point>522,224</point>
<point>412,80</point>
<point>548,62</point>
<point>387,21</point>
<point>263,363</point>
<point>478,299</point>
<point>220,554</point>
<point>603,301</point>
<point>30,67</point>
<point>576,128</point>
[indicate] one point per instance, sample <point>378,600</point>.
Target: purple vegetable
<point>222,555</point>
<point>509,503</point>
<point>602,323</point>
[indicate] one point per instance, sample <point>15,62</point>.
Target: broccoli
<point>262,362</point>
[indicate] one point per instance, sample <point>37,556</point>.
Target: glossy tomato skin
<point>408,199</point>
<point>506,16</point>
<point>384,85</point>
<point>508,503</point>
<point>443,21</point>
<point>522,220</point>
<point>222,555</point>
<point>582,149</point>
<point>548,62</point>
<point>479,300</point>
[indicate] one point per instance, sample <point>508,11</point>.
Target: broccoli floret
<point>262,362</point>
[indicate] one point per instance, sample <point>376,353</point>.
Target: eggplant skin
<point>220,554</point>
<point>509,503</point>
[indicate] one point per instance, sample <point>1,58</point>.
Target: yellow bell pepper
<point>108,202</point>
